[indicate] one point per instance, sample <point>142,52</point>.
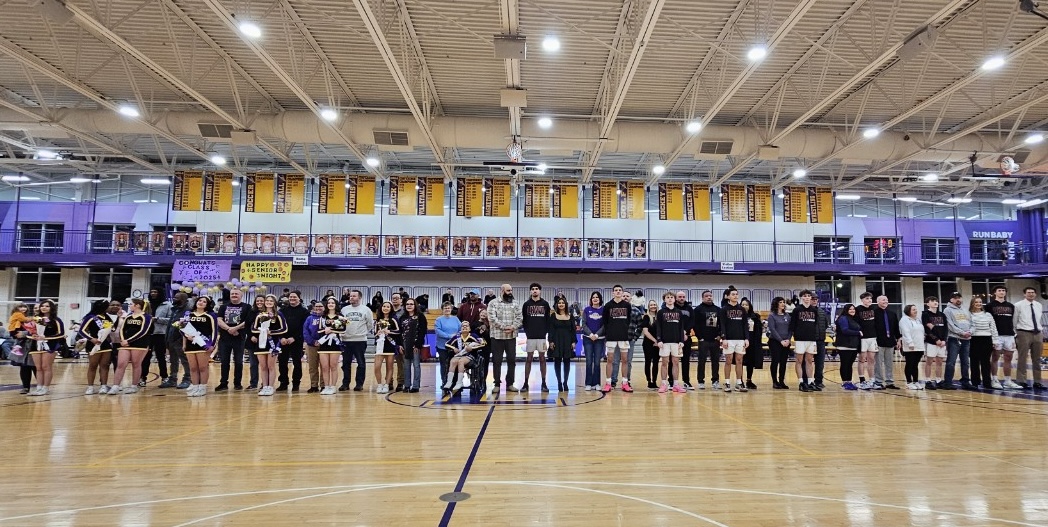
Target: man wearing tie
<point>887,326</point>
<point>1028,338</point>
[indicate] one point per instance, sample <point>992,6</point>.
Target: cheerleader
<point>329,345</point>
<point>199,329</point>
<point>268,324</point>
<point>134,332</point>
<point>94,331</point>
<point>46,334</point>
<point>387,337</point>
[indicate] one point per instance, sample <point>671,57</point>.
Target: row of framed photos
<point>375,245</point>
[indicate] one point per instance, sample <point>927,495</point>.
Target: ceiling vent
<point>215,131</point>
<point>391,138</point>
<point>714,150</point>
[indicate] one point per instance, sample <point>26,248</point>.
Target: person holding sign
<point>269,325</point>
<point>199,329</point>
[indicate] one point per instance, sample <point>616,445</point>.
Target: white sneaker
<point>114,390</point>
<point>911,386</point>
<point>90,390</point>
<point>1011,385</point>
<point>262,391</point>
<point>103,390</point>
<point>268,391</point>
<point>589,388</point>
<point>727,386</point>
<point>715,385</point>
<point>201,390</point>
<point>448,385</point>
<point>996,385</point>
<point>40,390</point>
<point>131,389</point>
<point>458,386</point>
<point>700,386</point>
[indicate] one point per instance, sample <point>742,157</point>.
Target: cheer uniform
<point>54,334</point>
<point>90,329</point>
<point>277,327</point>
<point>392,340</point>
<point>207,325</point>
<point>136,329</point>
<point>331,343</point>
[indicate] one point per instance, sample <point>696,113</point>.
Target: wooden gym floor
<point>763,458</point>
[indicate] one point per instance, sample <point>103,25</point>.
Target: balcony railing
<point>351,246</point>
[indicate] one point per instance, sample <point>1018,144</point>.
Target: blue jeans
<point>594,351</point>
<point>413,371</point>
<point>955,346</point>
<point>615,365</point>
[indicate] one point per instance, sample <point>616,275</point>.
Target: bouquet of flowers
<point>381,329</point>
<point>37,326</point>
<point>264,340</point>
<point>105,328</point>
<point>337,326</point>
<point>191,332</point>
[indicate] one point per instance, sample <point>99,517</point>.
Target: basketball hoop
<point>515,152</point>
<point>1009,166</point>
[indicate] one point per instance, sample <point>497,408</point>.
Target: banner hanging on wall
<point>795,204</point>
<point>758,203</point>
<point>537,200</point>
<point>671,205</point>
<point>631,200</point>
<point>431,196</point>
<point>201,270</point>
<point>274,271</point>
<point>604,203</point>
<point>697,202</point>
<point>496,197</point>
<point>218,192</point>
<point>332,194</point>
<point>469,201</point>
<point>291,193</point>
<point>258,192</point>
<point>734,203</point>
<point>820,205</point>
<point>565,202</point>
<point>186,194</point>
<point>361,197</point>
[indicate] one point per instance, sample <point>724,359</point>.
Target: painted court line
<point>450,509</point>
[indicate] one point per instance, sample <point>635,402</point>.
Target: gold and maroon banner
<point>671,206</point>
<point>258,194</point>
<point>331,198</point>
<point>496,197</point>
<point>631,200</point>
<point>218,192</point>
<point>361,198</point>
<point>734,203</point>
<point>469,201</point>
<point>565,200</point>
<point>291,193</point>
<point>795,204</point>
<point>430,196</point>
<point>403,195</point>
<point>758,203</point>
<point>604,202</point>
<point>537,199</point>
<point>187,191</point>
<point>697,202</point>
<point>820,205</point>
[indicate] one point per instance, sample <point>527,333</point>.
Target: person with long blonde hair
<point>268,323</point>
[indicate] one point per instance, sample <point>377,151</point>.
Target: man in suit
<point>886,324</point>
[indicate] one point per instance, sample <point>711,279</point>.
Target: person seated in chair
<point>465,345</point>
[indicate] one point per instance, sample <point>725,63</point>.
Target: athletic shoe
<point>820,386</point>
<point>221,388</point>
<point>688,386</point>
<point>312,389</point>
<point>920,386</point>
<point>700,386</point>
<point>750,385</point>
<point>41,390</point>
<point>115,390</point>
<point>966,385</point>
<point>447,385</point>
<point>891,386</point>
<point>662,388</point>
<point>715,385</point>
<point>626,387</point>
<point>327,391</point>
<point>545,388</point>
<point>184,384</point>
<point>929,385</point>
<point>865,385</point>
<point>23,391</point>
<point>738,384</point>
<point>131,389</point>
<point>849,386</point>
<point>1010,385</point>
<point>263,392</point>
<point>677,388</point>
<point>727,387</point>
<point>90,390</point>
<point>190,392</point>
<point>525,388</point>
<point>946,386</point>
<point>458,387</point>
<point>168,383</point>
<point>142,383</point>
<point>742,388</point>
<point>1038,386</point>
<point>878,386</point>
<point>509,388</point>
<point>413,390</point>
<point>911,386</point>
<point>588,388</point>
<point>606,388</point>
<point>814,387</point>
<point>201,390</point>
<point>103,390</point>
<point>996,385</point>
<point>803,387</point>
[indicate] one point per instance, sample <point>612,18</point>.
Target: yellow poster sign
<point>271,271</point>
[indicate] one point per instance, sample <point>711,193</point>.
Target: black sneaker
<point>891,386</point>
<point>966,385</point>
<point>294,387</point>
<point>688,386</point>
<point>750,385</point>
<point>345,387</point>
<point>238,387</point>
<point>524,388</point>
<point>947,386</point>
<point>803,387</point>
<point>814,388</point>
<point>545,388</point>
<point>313,389</point>
<point>358,388</point>
<point>221,388</point>
<point>820,386</point>
<point>1023,386</point>
<point>282,388</point>
<point>929,385</point>
<point>399,389</point>
<point>168,383</point>
<point>1038,386</point>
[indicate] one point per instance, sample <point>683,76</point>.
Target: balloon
<point>199,284</point>
<point>261,289</point>
<point>175,287</point>
<point>187,283</point>
<point>243,288</point>
<point>258,283</point>
<point>251,289</point>
<point>235,281</point>
<point>229,285</point>
<point>186,290</point>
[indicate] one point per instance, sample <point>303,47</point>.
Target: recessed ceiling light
<point>329,114</point>
<point>10,179</point>
<point>908,198</point>
<point>849,197</point>
<point>81,180</point>
<point>870,133</point>
<point>218,160</point>
<point>799,173</point>
<point>250,29</point>
<point>155,181</point>
<point>373,162</point>
<point>1012,201</point>
<point>1034,139</point>
<point>551,44</point>
<point>959,200</point>
<point>128,111</point>
<point>993,63</point>
<point>757,53</point>
<point>46,154</point>
<point>693,127</point>
<point>1031,203</point>
<point>658,170</point>
<point>545,123</point>
<point>931,176</point>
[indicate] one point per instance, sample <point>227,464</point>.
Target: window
<point>990,252</point>
<point>834,289</point>
<point>40,237</point>
<point>103,237</point>
<point>109,283</point>
<point>888,286</point>
<point>832,249</point>
<point>984,286</point>
<point>881,250</point>
<point>33,284</point>
<point>940,288</point>
<point>938,251</point>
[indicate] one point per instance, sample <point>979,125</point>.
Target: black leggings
<point>651,362</point>
<point>847,362</point>
<point>26,373</point>
<point>562,368</point>
<point>779,355</point>
<point>913,360</point>
<point>981,349</point>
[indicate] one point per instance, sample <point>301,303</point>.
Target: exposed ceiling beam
<point>106,35</point>
<point>509,13</point>
<point>374,27</point>
<point>303,29</point>
<point>611,112</point>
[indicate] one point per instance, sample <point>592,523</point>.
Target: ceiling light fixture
<point>373,162</point>
<point>545,123</point>
<point>658,170</point>
<point>849,197</point>
<point>155,181</point>
<point>780,195</point>
<point>541,167</point>
<point>756,53</point>
<point>46,154</point>
<point>81,179</point>
<point>1031,203</point>
<point>1012,201</point>
<point>551,44</point>
<point>909,199</point>
<point>250,29</point>
<point>29,198</point>
<point>993,63</point>
<point>128,111</point>
<point>870,133</point>
<point>329,114</point>
<point>236,183</point>
<point>693,127</point>
<point>218,160</point>
<point>1034,139</point>
<point>799,173</point>
<point>930,176</point>
<point>958,200</point>
<point>14,179</point>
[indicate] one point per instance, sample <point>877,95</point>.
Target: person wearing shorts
<point>617,313</point>
<point>536,314</point>
<point>669,336</point>
<point>803,326</point>
<point>735,329</point>
<point>935,335</point>
<point>867,342</point>
<point>1003,313</point>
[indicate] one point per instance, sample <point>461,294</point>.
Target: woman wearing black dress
<point>562,342</point>
<point>754,357</point>
<point>649,343</point>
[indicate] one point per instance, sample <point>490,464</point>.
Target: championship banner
<point>497,197</point>
<point>259,192</point>
<point>537,199</point>
<point>631,200</point>
<point>604,202</point>
<point>820,205</point>
<point>670,205</point>
<point>218,192</point>
<point>469,201</point>
<point>361,197</point>
<point>565,200</point>
<point>187,191</point>
<point>734,203</point>
<point>430,196</point>
<point>332,194</point>
<point>758,203</point>
<point>698,203</point>
<point>277,271</point>
<point>291,193</point>
<point>795,204</point>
